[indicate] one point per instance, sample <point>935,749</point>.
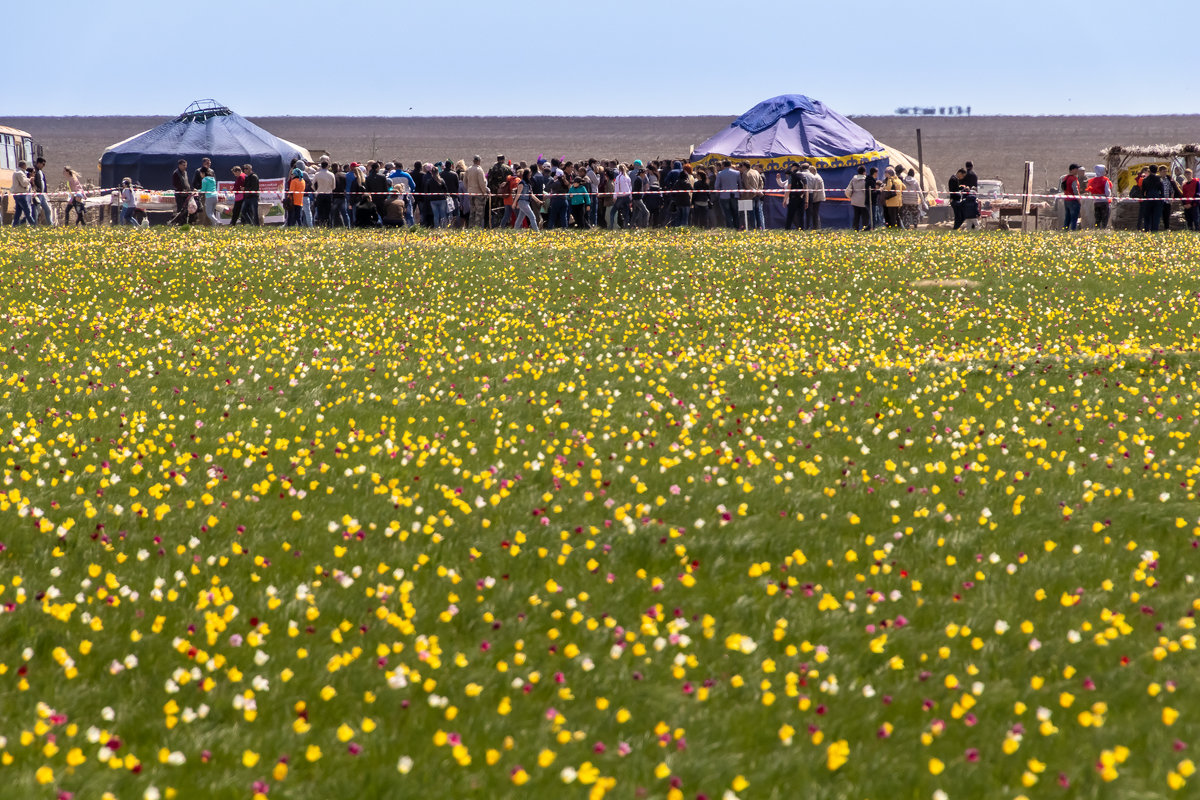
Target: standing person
<point>893,198</point>
<point>239,196</point>
<point>377,185</point>
<point>1152,194</point>
<point>969,177</point>
<point>641,187</point>
<point>450,178</point>
<point>1101,188</point>
<point>593,176</point>
<point>250,201</point>
<point>622,207</point>
<point>752,189</point>
<point>654,197</point>
<point>198,178</point>
<point>970,209</point>
<point>796,198</point>
<point>22,189</point>
<point>294,199</point>
<point>701,199</point>
<point>323,183</point>
<point>339,210</point>
<point>307,174</point>
<point>1190,190</point>
<point>683,196</point>
<point>208,187</point>
<point>400,174</point>
<point>954,189</point>
<point>856,193</point>
<point>435,189</point>
<point>183,193</point>
<point>1071,194</point>
<point>353,192</point>
<point>75,200</point>
<point>128,203</point>
<point>873,198</point>
<point>910,208</point>
<point>498,176</point>
<point>424,203</point>
<point>729,180</point>
<point>816,196</point>
<point>41,205</point>
<point>479,192</point>
<point>523,194</point>
<point>604,197</point>
<point>560,212</point>
<point>581,202</point>
<point>462,200</point>
<point>1171,191</point>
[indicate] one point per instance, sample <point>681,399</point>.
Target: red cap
<point>353,165</point>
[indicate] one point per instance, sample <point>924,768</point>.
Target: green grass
<point>526,494</point>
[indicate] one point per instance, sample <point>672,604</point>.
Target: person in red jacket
<point>1191,209</point>
<point>1101,188</point>
<point>1070,189</point>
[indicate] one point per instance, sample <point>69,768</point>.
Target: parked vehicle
<point>15,146</point>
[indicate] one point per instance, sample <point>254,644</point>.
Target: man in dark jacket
<point>1171,191</point>
<point>377,185</point>
<point>450,178</point>
<point>183,193</point>
<point>970,178</point>
<point>797,199</point>
<point>953,188</point>
<point>1152,197</point>
<point>198,176</point>
<point>250,202</point>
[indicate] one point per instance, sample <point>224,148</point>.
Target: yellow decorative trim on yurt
<point>780,163</point>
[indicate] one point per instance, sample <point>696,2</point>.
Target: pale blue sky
<point>611,58</point>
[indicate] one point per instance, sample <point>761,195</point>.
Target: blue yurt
<point>205,129</point>
<point>793,129</point>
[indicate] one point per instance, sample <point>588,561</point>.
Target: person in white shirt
<point>816,196</point>
<point>622,205</point>
<point>22,189</point>
<point>323,183</point>
<point>477,193</point>
<point>128,203</point>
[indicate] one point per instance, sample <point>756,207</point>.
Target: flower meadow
<point>291,515</point>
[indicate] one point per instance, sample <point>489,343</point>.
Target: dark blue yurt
<point>205,129</point>
<point>793,129</point>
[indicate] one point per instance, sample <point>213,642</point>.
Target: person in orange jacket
<point>294,200</point>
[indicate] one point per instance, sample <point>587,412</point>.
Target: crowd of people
<point>555,193</point>
<point>547,194</point>
<point>1155,187</point>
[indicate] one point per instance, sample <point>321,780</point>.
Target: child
<point>969,207</point>
<point>581,203</point>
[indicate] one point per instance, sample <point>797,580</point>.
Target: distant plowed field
<point>999,146</point>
